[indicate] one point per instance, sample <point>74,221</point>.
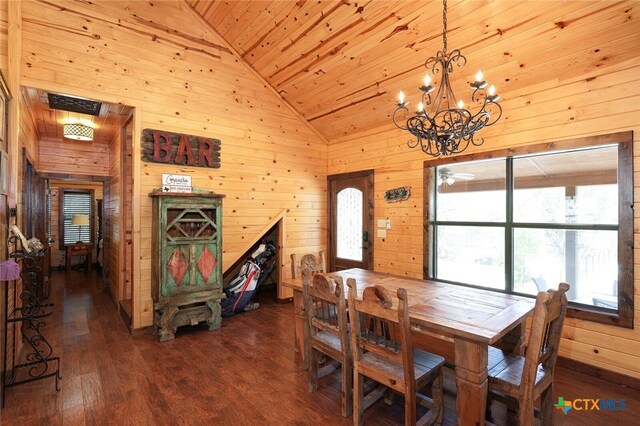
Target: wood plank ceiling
<point>341,64</point>
<point>48,121</point>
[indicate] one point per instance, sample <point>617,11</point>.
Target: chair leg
<point>546,406</point>
<point>487,413</point>
<point>525,413</point>
<point>347,387</point>
<point>437,395</point>
<point>389,396</point>
<point>313,370</point>
<point>409,409</point>
<point>358,399</point>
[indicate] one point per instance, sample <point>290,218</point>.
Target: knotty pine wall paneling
<point>165,61</point>
<point>126,223</point>
<point>112,219</point>
<point>4,49</point>
<point>3,67</point>
<point>66,156</point>
<point>602,100</point>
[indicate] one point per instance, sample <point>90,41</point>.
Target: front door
<point>351,220</point>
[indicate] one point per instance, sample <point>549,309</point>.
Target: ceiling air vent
<point>67,103</point>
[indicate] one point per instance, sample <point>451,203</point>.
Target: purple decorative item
<point>9,271</point>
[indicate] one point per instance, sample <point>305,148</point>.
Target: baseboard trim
<point>601,373</point>
<point>284,300</point>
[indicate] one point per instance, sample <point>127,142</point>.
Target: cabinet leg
<point>166,326</point>
<point>215,321</point>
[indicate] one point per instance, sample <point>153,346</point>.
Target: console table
<point>79,249</point>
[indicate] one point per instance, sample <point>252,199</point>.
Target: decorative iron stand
<point>40,362</point>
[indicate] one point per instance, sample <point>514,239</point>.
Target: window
<point>524,223</point>
<point>79,203</point>
<point>349,224</point>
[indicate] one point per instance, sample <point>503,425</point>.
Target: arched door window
<point>349,224</point>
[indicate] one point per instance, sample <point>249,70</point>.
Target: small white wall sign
<point>176,183</point>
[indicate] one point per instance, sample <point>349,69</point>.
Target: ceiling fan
<point>446,176</point>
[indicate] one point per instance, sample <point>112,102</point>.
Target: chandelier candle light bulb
<point>492,94</point>
<point>440,127</point>
<point>401,99</point>
<point>479,83</point>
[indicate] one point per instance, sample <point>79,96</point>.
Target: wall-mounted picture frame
<point>5,97</point>
<point>4,173</point>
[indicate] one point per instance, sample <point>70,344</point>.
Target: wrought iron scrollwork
<point>441,125</point>
<point>29,310</point>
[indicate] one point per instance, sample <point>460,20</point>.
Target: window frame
<point>61,227</point>
<point>625,312</point>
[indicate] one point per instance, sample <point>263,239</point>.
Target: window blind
<point>76,203</point>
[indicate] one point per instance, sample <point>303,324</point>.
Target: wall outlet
<point>388,224</point>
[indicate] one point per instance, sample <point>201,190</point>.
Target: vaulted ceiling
<point>341,64</point>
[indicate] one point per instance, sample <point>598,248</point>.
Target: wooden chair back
<point>378,327</point>
<point>520,382</point>
<point>308,261</point>
<point>544,338</point>
<point>325,307</point>
<point>326,332</point>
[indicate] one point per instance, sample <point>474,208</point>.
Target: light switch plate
<point>382,223</point>
<point>382,233</point>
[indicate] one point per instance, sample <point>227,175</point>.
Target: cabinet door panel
<point>206,265</point>
<point>177,259</point>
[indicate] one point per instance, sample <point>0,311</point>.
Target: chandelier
<point>77,131</point>
<point>441,124</point>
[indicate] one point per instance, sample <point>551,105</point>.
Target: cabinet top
<point>204,194</point>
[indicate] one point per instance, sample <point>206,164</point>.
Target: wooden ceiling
<point>48,121</point>
<point>341,64</point>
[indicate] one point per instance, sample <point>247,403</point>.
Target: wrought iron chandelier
<point>441,124</point>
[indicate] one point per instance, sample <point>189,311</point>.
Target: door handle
<point>365,240</point>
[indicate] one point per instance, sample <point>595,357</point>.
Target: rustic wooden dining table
<point>472,318</point>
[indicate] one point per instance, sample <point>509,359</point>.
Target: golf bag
<point>244,286</point>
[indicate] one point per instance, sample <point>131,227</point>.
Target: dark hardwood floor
<point>243,374</point>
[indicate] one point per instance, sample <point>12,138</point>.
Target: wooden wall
<point>3,36</point>
<point>73,157</point>
<point>112,220</point>
<point>602,100</point>
<point>3,198</point>
<point>162,59</point>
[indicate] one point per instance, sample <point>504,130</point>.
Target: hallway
<point>243,374</point>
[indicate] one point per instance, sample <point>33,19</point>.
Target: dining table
<point>471,318</point>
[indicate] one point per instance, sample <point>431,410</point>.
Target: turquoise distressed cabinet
<point>186,260</point>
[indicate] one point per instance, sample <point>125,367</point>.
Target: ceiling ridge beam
<point>243,61</point>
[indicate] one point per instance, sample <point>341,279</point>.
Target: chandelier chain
<point>444,26</point>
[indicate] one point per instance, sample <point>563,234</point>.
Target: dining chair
<point>520,380</point>
<point>327,332</point>
<point>308,261</point>
<point>382,351</point>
